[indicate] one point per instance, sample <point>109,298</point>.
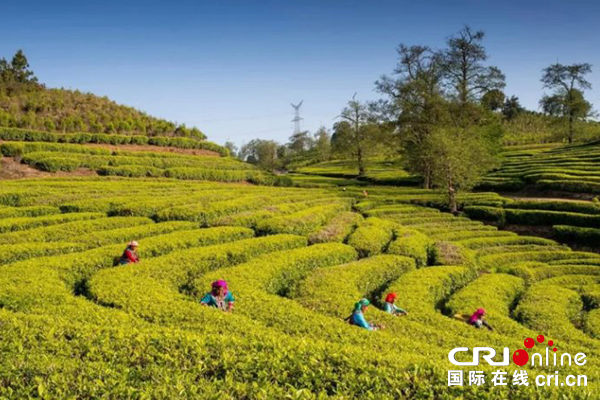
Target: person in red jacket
<point>130,255</point>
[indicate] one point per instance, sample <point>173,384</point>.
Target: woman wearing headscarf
<point>130,255</point>
<point>219,297</point>
<point>477,319</point>
<point>358,318</point>
<point>391,308</point>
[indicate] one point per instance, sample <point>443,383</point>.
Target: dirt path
<point>11,169</point>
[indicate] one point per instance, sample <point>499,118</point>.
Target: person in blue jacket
<point>220,297</point>
<point>358,318</point>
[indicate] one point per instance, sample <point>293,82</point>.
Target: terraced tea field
<point>75,326</point>
<point>54,157</point>
<point>573,169</point>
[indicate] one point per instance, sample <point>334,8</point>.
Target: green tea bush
<point>301,222</point>
<point>492,214</point>
<point>552,309</point>
<point>372,237</point>
<point>23,223</point>
<point>448,253</point>
<point>12,134</point>
<point>569,206</point>
<point>413,244</point>
<point>131,171</point>
<point>586,236</point>
<point>32,211</point>
<point>10,253</point>
<point>496,293</point>
<point>364,278</point>
<point>71,230</point>
<point>337,229</point>
<point>543,217</point>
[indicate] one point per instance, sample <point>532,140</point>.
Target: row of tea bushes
<point>13,134</point>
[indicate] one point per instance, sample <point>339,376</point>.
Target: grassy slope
<point>62,110</point>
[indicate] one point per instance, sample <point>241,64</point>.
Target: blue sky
<point>231,68</point>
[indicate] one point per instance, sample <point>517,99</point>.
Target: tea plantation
<point>74,326</point>
<point>573,169</point>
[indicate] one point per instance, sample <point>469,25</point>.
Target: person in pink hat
<point>219,297</point>
<point>477,319</point>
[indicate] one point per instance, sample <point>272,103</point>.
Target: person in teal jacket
<point>358,318</point>
<point>391,308</point>
<point>220,297</point>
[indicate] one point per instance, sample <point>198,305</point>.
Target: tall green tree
<point>567,101</point>
<point>493,100</point>
<point>415,104</point>
<point>229,145</point>
<point>263,153</point>
<point>466,76</point>
<point>17,71</point>
<point>300,142</point>
<point>512,108</point>
<point>322,144</point>
<point>357,133</point>
<point>461,156</point>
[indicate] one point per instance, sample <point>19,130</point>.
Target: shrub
<point>301,222</point>
<point>448,253</point>
<point>364,278</point>
<point>498,302</point>
<point>337,229</point>
<point>32,211</point>
<point>551,309</point>
<point>570,206</point>
<point>10,253</point>
<point>372,237</point>
<point>492,214</point>
<point>411,243</point>
<point>17,224</point>
<point>132,171</point>
<point>586,236</point>
<point>70,229</point>
<point>543,217</point>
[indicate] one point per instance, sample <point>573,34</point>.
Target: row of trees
<point>443,110</point>
<point>25,103</point>
<point>302,148</point>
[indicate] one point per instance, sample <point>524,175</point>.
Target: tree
<point>322,144</point>
<point>568,101</point>
<point>415,98</point>
<point>512,108</point>
<point>262,153</point>
<point>493,100</point>
<point>462,64</point>
<point>461,157</point>
<point>17,71</point>
<point>300,142</point>
<point>231,147</point>
<point>357,133</point>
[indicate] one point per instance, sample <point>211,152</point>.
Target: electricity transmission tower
<point>297,119</point>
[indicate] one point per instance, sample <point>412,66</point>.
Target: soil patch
<point>12,169</point>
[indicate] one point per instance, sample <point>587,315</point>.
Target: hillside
<point>26,103</point>
<point>573,171</point>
